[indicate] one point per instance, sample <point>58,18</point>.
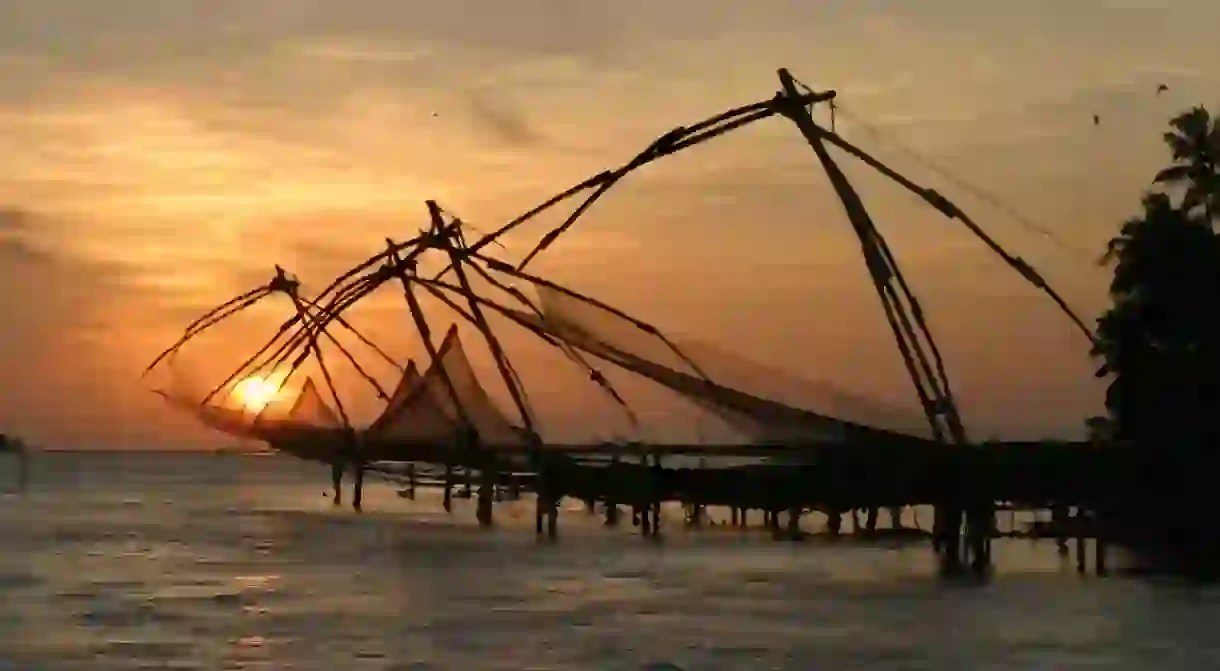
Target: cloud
<point>171,155</point>
<point>18,251</point>
<point>503,121</point>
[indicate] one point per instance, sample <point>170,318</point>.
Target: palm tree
<point>1195,144</point>
<point>1160,341</point>
<point>1161,338</point>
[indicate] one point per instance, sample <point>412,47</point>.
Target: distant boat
<point>11,444</point>
<point>16,447</point>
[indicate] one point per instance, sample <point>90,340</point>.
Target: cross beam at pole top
<point>950,210</point>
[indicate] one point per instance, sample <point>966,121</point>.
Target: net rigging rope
<point>982,194</point>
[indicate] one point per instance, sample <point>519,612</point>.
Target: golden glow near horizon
<point>256,393</point>
<point>158,162</point>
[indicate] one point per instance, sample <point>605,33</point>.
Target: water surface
<point>202,562</point>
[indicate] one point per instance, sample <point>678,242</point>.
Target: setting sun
<point>255,393</point>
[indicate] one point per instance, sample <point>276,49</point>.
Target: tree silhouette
<point>1161,338</point>
<point>1195,144</point>
<point>1099,428</point>
<point>1160,342</point>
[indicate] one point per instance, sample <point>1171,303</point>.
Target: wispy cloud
<point>360,52</point>
<point>172,153</point>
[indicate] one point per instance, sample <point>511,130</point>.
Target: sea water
<point>206,562</point>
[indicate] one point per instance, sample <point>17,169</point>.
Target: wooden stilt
<point>834,522</point>
<point>948,532</point>
<point>1099,547</point>
<point>1059,519</point>
<point>611,514</point>
<point>358,486</point>
<point>552,518</point>
<point>794,523</point>
<point>981,527</point>
<point>487,488</point>
<point>1078,526</point>
<point>447,501</point>
<point>336,480</point>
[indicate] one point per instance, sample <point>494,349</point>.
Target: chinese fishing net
<point>266,408</point>
<point>742,393</point>
<point>422,408</point>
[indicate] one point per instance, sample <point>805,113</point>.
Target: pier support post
<point>1078,529</point>
<point>549,491</point>
<point>695,514</point>
<point>947,536</point>
<point>834,521</point>
<point>1059,519</point>
<point>895,517</point>
<point>1099,549</point>
<point>656,488</point>
<point>487,489</point>
<point>355,455</point>
<point>794,523</point>
<point>980,525</point>
<point>447,501</point>
<point>336,480</point>
<point>870,519</point>
<point>552,517</point>
<point>358,485</point>
<point>733,516</point>
<point>611,514</point>
<point>613,473</point>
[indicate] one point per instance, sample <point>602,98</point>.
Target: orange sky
<point>160,157</point>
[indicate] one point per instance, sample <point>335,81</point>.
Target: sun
<point>255,393</point>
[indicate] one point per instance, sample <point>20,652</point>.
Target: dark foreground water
<point>201,562</point>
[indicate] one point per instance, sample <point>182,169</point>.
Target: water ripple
<point>242,564</point>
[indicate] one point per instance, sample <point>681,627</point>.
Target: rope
<point>986,196</point>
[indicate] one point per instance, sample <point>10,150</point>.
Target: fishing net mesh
<point>224,412</point>
<point>718,381</point>
<point>254,407</point>
<point>761,403</point>
<point>410,376</point>
<point>423,407</point>
<point>310,409</point>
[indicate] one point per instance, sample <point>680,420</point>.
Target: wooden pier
<point>1073,482</point>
